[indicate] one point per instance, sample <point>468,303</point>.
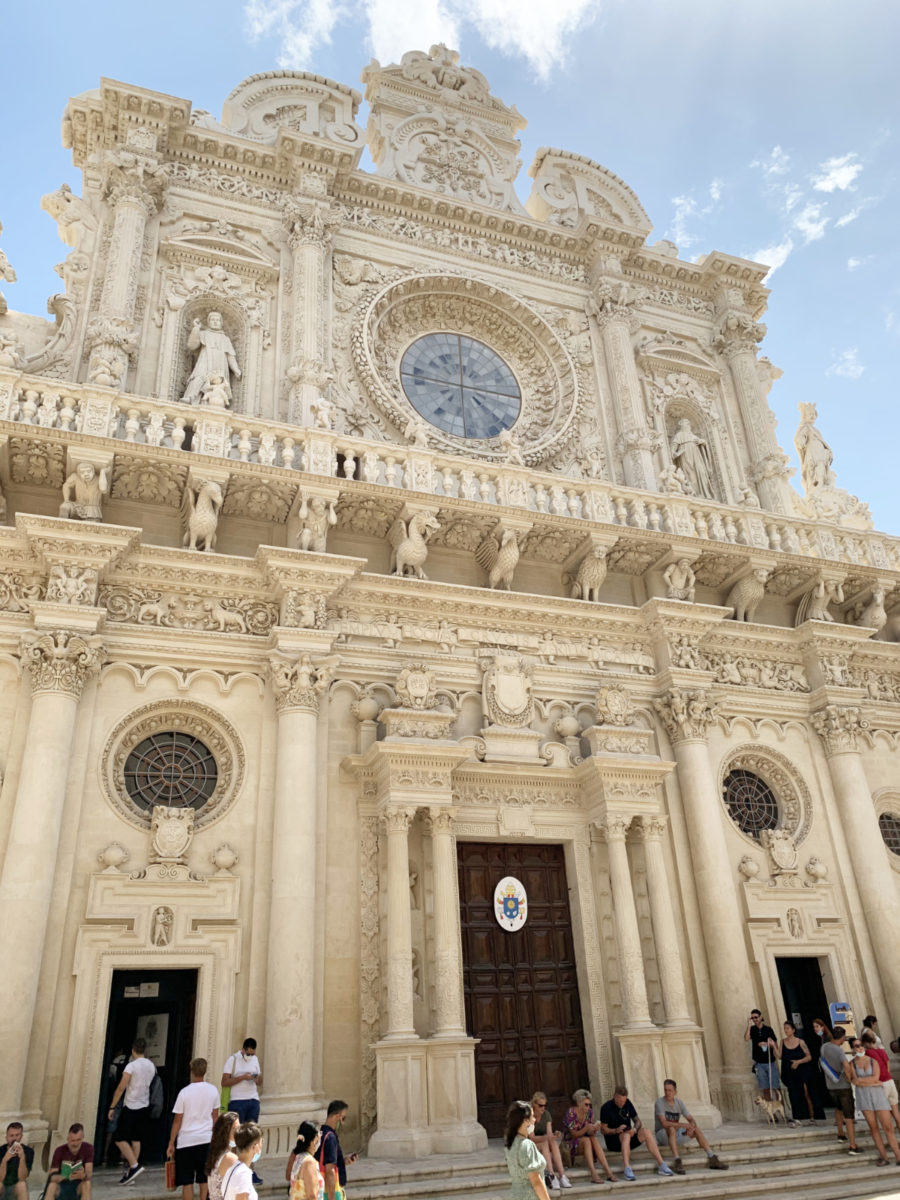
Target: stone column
<point>400,1022</point>
<point>628,937</point>
<point>665,933</point>
<point>449,1014</point>
<point>59,664</point>
<point>687,716</point>
<point>840,727</point>
<point>289,1055</point>
<point>310,222</point>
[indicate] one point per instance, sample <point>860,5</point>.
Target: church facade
<point>415,654</point>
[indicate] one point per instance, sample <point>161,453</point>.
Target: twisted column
<point>665,932</point>
<point>628,936</point>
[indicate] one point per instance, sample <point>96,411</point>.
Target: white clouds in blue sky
<point>846,364</point>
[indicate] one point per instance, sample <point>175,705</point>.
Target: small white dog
<point>772,1107</point>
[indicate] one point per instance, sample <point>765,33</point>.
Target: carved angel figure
<point>499,558</point>
<point>511,448</point>
<point>691,455</point>
<point>816,455</point>
<point>591,575</point>
<point>7,274</point>
<point>416,432</point>
<point>409,543</point>
<point>83,494</point>
<point>746,595</point>
<point>201,505</point>
<point>813,605</point>
<point>680,580</point>
<point>10,350</point>
<point>216,357</point>
<point>216,392</point>
<point>317,516</point>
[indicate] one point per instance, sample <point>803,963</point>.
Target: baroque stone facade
<point>220,489</point>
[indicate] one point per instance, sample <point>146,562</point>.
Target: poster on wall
<point>154,1029</point>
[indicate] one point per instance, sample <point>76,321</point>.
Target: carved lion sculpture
<point>746,595</point>
<point>590,576</point>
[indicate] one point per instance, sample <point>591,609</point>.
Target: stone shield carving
<point>507,698</point>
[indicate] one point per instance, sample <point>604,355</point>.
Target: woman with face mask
<point>237,1183</point>
<point>221,1157</point>
<point>525,1163</point>
<point>871,1099</point>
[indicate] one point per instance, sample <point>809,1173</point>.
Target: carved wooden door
<point>521,989</point>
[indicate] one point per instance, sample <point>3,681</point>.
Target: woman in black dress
<point>795,1073</point>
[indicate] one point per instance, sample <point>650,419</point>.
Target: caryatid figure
<point>83,494</point>
<point>216,357</point>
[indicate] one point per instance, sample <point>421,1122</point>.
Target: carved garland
<point>794,801</point>
<point>405,310</point>
<point>199,720</point>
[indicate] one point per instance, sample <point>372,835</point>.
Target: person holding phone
<point>243,1075</point>
<point>15,1163</point>
<point>71,1168</point>
<point>331,1159</point>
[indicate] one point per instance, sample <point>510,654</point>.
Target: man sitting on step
<point>623,1130</point>
<point>673,1121</point>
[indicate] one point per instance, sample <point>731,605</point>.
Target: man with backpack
<point>138,1080</point>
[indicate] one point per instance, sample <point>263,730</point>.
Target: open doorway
<point>805,999</point>
<point>159,1007</point>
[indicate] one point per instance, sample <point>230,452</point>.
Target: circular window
<point>170,768</point>
<point>460,385</point>
<point>750,802</point>
<point>889,824</point>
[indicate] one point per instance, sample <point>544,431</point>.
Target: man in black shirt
<point>765,1051</point>
<point>622,1128</point>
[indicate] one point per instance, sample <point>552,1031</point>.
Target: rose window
<point>170,768</point>
<point>889,824</point>
<point>751,803</point>
<point>460,385</point>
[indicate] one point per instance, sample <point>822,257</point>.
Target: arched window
<point>889,824</point>
<point>171,768</point>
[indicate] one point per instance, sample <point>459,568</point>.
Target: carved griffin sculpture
<point>409,543</point>
<point>499,557</point>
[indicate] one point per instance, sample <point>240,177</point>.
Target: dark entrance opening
<point>803,993</point>
<point>521,988</point>
<point>159,1007</point>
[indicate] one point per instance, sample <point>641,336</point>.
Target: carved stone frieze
<point>147,480</point>
<point>686,715</point>
<point>69,583</point>
<point>18,590</point>
<point>259,499</point>
<point>632,557</point>
<point>37,463</point>
<point>753,670</point>
<point>189,610</point>
<point>366,516</point>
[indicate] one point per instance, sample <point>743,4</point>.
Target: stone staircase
<point>792,1164</point>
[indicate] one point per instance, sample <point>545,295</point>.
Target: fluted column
<point>291,968</point>
<point>687,716</point>
<point>841,728</point>
<point>400,1021</point>
<point>665,932</point>
<point>449,1018</point>
<point>58,665</point>
<point>628,936</point>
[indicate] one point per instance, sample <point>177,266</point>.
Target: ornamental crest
<point>782,850</point>
<point>507,691</point>
<point>510,904</point>
<point>171,830</point>
<point>416,686</point>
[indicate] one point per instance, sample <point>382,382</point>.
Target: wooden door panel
<point>521,988</point>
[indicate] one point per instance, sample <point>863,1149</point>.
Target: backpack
<point>157,1097</point>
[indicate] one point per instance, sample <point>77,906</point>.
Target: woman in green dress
<point>524,1161</point>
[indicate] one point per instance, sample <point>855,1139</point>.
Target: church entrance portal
<point>521,989</point>
<point>159,1007</point>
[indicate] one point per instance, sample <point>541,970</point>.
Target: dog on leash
<point>772,1107</point>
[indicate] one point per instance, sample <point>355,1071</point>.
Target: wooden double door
<point>521,989</point>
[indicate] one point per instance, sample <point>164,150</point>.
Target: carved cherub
<point>216,392</point>
<point>323,412</point>
<point>416,432</point>
<point>511,448</point>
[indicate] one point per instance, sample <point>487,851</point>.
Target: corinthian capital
<point>687,715</point>
<point>653,828</point>
<point>839,726</point>
<point>614,828</point>
<point>736,331</point>
<point>397,818</point>
<point>297,684</point>
<point>61,661</point>
<point>310,222</point>
<point>138,178</point>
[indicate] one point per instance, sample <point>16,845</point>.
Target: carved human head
<point>214,320</point>
<point>86,471</point>
<point>684,423</point>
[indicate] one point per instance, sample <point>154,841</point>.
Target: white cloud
<point>892,323</point>
<point>687,207</point>
<point>539,33</point>
<point>775,164</point>
<point>854,263</point>
<point>837,174</point>
<point>774,256</point>
<point>810,223</point>
<point>847,364</point>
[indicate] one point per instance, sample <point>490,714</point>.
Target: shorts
<point>890,1090</point>
<point>68,1189</point>
<point>134,1125</point>
<point>844,1102</point>
<point>766,1076</point>
<point>190,1165</point>
<point>613,1143</point>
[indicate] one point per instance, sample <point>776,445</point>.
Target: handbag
<point>170,1174</point>
<point>339,1193</point>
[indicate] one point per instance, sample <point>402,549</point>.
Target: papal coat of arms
<point>510,904</point>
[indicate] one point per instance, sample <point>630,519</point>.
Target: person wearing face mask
<point>237,1182</point>
<point>524,1161</point>
<point>870,1098</point>
<point>221,1157</point>
<point>243,1075</point>
<point>332,1163</point>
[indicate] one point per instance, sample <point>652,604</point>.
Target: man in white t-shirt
<point>134,1119</point>
<point>243,1075</point>
<point>196,1108</point>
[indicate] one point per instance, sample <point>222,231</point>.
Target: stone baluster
<point>58,664</point>
<point>841,728</point>
<point>290,1086</point>
<point>449,1013</point>
<point>400,1022</point>
<point>665,932</point>
<point>628,936</point>
<point>687,717</point>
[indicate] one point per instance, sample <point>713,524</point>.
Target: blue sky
<point>769,130</point>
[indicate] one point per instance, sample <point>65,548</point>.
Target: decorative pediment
<point>296,102</point>
<point>665,350</point>
<point>569,188</point>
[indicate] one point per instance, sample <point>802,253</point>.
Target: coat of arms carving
<point>171,830</point>
<point>507,691</point>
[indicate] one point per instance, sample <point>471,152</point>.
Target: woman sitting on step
<point>547,1141</point>
<point>581,1135</point>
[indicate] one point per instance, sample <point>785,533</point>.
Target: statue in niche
<point>161,928</point>
<point>216,357</point>
<point>83,494</point>
<point>691,455</point>
<point>680,580</point>
<point>216,392</point>
<point>816,455</point>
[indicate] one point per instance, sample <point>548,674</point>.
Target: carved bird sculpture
<point>591,574</point>
<point>409,543</point>
<point>200,508</point>
<point>499,558</point>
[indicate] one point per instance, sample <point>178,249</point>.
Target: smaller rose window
<point>751,803</point>
<point>460,385</point>
<point>174,769</point>
<point>889,824</point>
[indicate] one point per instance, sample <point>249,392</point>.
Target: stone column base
<point>452,1105</point>
<point>280,1127</point>
<point>734,1092</point>
<point>652,1055</point>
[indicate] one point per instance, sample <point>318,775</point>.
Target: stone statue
<point>672,481</point>
<point>511,448</point>
<point>7,275</point>
<point>323,413</point>
<point>317,516</point>
<point>590,576</point>
<point>746,595</point>
<point>690,453</point>
<point>200,509</point>
<point>216,392</point>
<point>680,580</point>
<point>83,494</point>
<point>872,615</point>
<point>816,456</point>
<point>216,357</point>
<point>814,603</point>
<point>498,557</point>
<point>409,543</point>
<point>161,930</point>
<point>416,432</point>
<point>10,350</point>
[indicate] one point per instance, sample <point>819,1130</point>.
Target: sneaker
<point>854,1150</point>
<point>132,1175</point>
<point>125,1174</point>
<point>552,1182</point>
<point>678,1166</point>
<point>564,1180</point>
<point>629,1174</point>
<point>664,1169</point>
<point>256,1180</point>
<point>715,1165</point>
